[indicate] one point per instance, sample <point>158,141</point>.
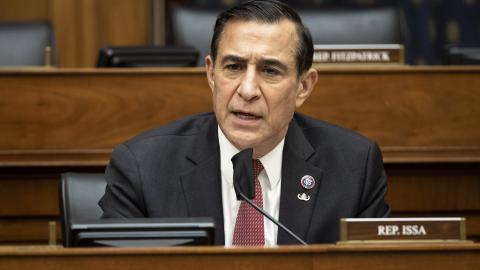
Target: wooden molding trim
<point>100,157</point>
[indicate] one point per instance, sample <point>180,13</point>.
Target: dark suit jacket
<point>174,171</point>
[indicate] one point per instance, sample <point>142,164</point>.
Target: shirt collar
<point>272,161</point>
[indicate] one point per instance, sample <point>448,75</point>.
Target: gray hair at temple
<point>267,11</point>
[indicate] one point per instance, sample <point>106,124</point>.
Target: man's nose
<point>249,87</point>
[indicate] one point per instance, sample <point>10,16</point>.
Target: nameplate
<point>359,54</point>
<point>402,229</point>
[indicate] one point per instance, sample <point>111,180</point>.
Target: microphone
<point>244,183</point>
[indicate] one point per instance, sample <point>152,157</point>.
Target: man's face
<point>255,84</point>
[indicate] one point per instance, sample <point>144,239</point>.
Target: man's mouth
<point>246,116</point>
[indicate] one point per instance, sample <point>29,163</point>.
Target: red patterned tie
<point>249,224</point>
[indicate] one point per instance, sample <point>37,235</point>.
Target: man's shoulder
<point>182,128</point>
<point>322,132</point>
<point>337,147</point>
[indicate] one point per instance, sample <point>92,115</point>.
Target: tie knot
<point>257,166</point>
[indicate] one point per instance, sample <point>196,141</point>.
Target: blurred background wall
<point>82,27</point>
<point>431,24</point>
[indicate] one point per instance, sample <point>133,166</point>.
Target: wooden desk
<point>426,120</point>
<point>385,257</point>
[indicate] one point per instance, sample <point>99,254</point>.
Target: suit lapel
<point>201,180</point>
<point>296,213</point>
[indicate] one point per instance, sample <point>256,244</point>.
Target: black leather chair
<point>457,55</point>
<point>23,43</point>
<point>191,26</point>
<point>356,26</point>
<point>79,195</point>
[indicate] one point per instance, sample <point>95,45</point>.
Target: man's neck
<point>259,150</point>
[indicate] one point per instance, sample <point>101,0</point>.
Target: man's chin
<point>242,140</point>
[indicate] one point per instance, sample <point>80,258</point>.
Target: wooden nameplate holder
<point>398,230</point>
<point>359,54</point>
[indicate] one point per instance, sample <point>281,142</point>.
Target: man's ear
<point>306,84</point>
<point>209,66</point>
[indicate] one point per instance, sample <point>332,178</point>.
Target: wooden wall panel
<point>65,19</point>
<point>34,230</point>
<point>429,114</point>
<point>434,187</point>
<point>29,200</point>
<point>85,26</point>
<point>24,10</point>
<point>86,111</point>
<point>29,195</point>
<point>125,24</point>
<point>408,108</point>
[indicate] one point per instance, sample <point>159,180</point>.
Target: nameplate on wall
<point>364,230</point>
<point>359,54</point>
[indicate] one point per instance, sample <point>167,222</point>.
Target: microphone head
<point>243,174</point>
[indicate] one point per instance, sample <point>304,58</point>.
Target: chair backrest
<point>194,26</point>
<point>79,196</point>
<point>23,43</point>
<point>355,26</point>
<point>456,55</point>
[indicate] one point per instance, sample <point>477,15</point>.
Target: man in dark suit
<point>314,173</point>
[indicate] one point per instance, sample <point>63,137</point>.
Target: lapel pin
<point>303,197</point>
<point>307,182</point>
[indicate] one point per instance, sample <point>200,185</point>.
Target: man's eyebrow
<point>273,62</point>
<point>262,62</point>
<point>232,58</point>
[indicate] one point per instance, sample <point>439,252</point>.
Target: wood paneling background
<point>19,10</point>
<point>82,27</point>
<point>53,121</point>
<point>430,111</point>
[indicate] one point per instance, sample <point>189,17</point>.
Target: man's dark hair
<point>267,11</point>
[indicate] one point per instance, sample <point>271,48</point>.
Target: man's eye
<point>233,67</point>
<point>271,71</point>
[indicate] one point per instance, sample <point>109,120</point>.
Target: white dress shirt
<point>269,178</point>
